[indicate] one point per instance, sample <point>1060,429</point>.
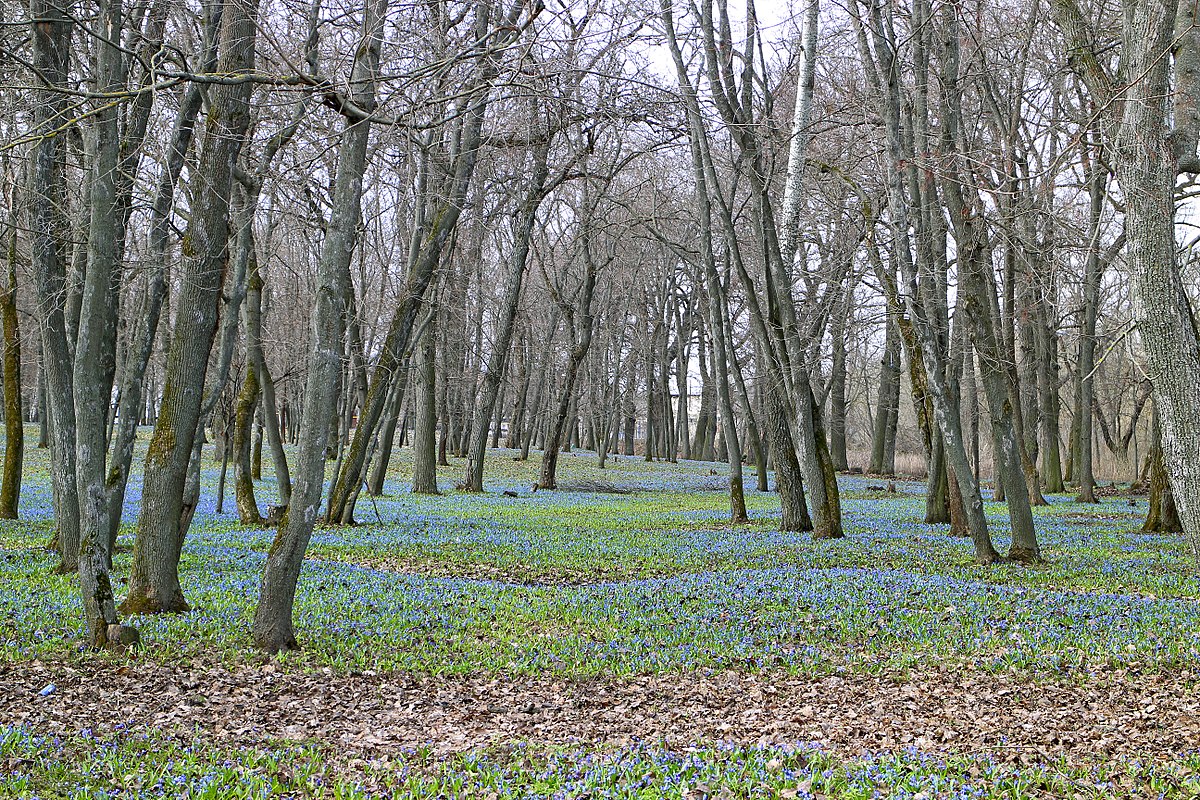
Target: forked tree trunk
<point>154,581</point>
<point>884,71</point>
<point>273,629</point>
<point>243,422</point>
<point>442,223</point>
<point>581,329</point>
<point>133,398</point>
<point>95,349</point>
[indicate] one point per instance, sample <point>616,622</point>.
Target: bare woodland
<point>951,238</point>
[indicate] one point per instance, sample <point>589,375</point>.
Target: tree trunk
<point>273,630</point>
<point>262,376</point>
<point>1146,168</point>
<point>95,348</point>
<point>425,423</point>
<point>387,436</point>
<point>1093,270</point>
<point>243,421</point>
<point>14,418</point>
<point>141,347</point>
<point>485,401</point>
<point>51,36</point>
<point>1052,471</point>
<point>154,581</point>
<point>997,387</point>
<point>1162,516</point>
<point>917,292</point>
<point>788,475</point>
<point>547,476</point>
<point>883,440</point>
<point>442,223</point>
<point>837,389</point>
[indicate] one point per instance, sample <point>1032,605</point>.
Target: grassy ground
<point>584,584</point>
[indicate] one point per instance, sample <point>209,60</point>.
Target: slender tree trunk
<point>95,349</point>
<point>14,418</point>
<point>547,476</point>
<point>51,36</point>
<point>1052,471</point>
<point>387,436</point>
<point>425,424</point>
<point>535,407</point>
<point>837,394</point>
<point>1093,271</point>
<point>270,427</point>
<point>883,439</point>
<point>43,414</point>
<point>997,387</point>
<point>243,421</point>
<point>917,293</point>
<point>442,223</point>
<point>485,400</point>
<point>135,366</point>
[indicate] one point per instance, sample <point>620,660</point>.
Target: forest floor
<point>585,643</point>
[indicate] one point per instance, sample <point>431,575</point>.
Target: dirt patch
<point>1110,715</point>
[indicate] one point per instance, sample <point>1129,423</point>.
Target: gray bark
<point>485,400</point>
<point>95,349</point>
<point>716,306</point>
<point>51,35</point>
<point>273,629</point>
<point>425,418</point>
<point>141,346</point>
<point>433,239</point>
<point>154,581</point>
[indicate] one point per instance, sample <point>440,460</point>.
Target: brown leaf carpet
<point>1154,716</point>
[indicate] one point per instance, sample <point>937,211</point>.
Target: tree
<point>14,416</point>
<point>273,616</point>
<point>489,36</point>
<point>154,582</point>
<point>1147,154</point>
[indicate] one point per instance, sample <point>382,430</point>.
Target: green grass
<point>151,766</point>
<point>585,583</point>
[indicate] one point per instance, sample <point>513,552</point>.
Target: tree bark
<point>95,347</point>
<point>14,417</point>
<point>51,35</point>
<point>434,238</point>
<point>141,346</point>
<point>1162,516</point>
<point>243,423</point>
<point>273,629</point>
<point>485,400</point>
<point>154,581</point>
<point>425,422</point>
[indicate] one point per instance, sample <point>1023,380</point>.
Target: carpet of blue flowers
<point>581,583</point>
